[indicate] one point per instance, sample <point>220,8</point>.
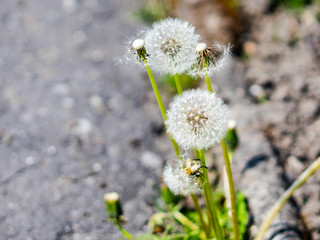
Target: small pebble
<point>96,102</point>
<point>51,150</point>
<point>256,90</point>
<point>97,167</point>
<point>83,128</point>
<point>30,160</point>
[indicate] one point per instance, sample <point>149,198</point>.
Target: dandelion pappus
<point>193,168</point>
<point>210,55</point>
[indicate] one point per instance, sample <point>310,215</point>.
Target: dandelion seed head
<point>197,119</point>
<point>171,45</point>
<point>131,46</point>
<point>178,181</point>
<point>210,59</point>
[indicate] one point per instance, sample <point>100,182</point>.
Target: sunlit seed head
<point>197,119</point>
<point>171,43</point>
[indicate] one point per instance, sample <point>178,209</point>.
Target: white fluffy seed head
<point>178,181</point>
<point>171,45</point>
<point>197,119</point>
<point>138,44</point>
<point>201,47</point>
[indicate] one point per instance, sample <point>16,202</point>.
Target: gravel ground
<point>280,57</point>
<point>73,125</point>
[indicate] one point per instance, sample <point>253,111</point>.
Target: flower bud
<point>113,207</point>
<point>232,139</point>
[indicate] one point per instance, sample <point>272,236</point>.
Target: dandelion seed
<point>197,119</point>
<point>210,59</point>
<point>178,181</point>
<point>171,45</point>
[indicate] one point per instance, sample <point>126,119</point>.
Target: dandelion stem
<point>160,103</point>
<point>156,90</point>
<point>213,216</point>
<point>285,197</point>
<point>229,174</point>
<point>184,220</point>
<point>232,191</point>
<point>199,211</point>
<point>208,82</point>
<point>178,83</point>
<point>124,232</point>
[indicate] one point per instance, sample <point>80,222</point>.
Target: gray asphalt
<point>72,124</point>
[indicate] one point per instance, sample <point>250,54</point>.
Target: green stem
<point>213,216</point>
<point>285,197</point>
<point>156,90</point>
<point>160,103</point>
<point>178,83</point>
<point>184,220</point>
<point>199,211</point>
<point>232,191</point>
<point>208,82</point>
<point>229,173</point>
<point>124,232</point>
<point>231,154</point>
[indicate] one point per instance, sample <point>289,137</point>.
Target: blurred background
<point>74,125</point>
